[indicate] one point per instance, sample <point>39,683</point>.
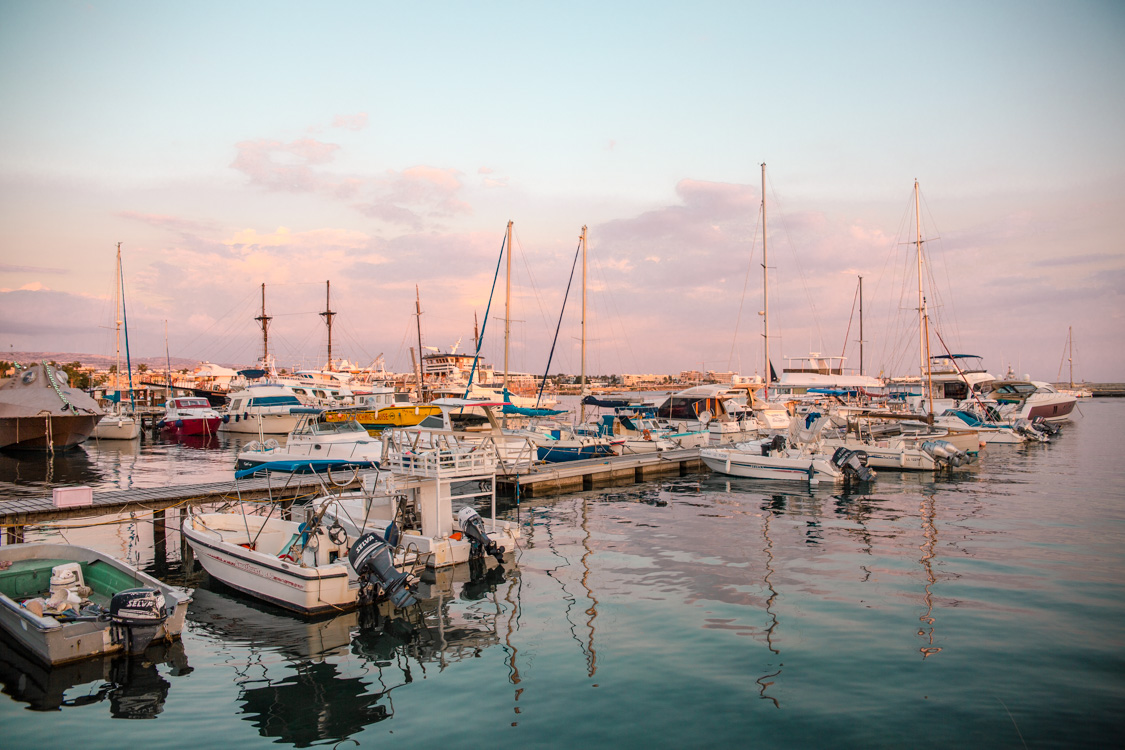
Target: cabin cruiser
<point>315,440</point>
<point>39,410</point>
<point>1030,400</point>
<point>383,407</point>
<point>262,409</point>
<point>719,409</point>
<point>189,415</point>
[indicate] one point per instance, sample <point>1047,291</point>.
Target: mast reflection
<point>929,543</point>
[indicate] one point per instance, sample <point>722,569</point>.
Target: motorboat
<point>719,409</point>
<point>39,410</point>
<point>427,501</point>
<point>315,440</point>
<point>309,567</point>
<point>1030,399</point>
<point>63,603</point>
<point>563,442</point>
<point>189,415</point>
<point>262,409</point>
<point>649,435</point>
<point>992,428</point>
<point>898,452</point>
<point>799,457</point>
<point>381,408</point>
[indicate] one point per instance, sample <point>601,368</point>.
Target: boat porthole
<point>317,446</point>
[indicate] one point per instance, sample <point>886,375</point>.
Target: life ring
<point>648,435</point>
<point>286,556</point>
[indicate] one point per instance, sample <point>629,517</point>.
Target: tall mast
<point>264,321</point>
<point>328,315</point>
<point>922,343</point>
<point>582,390</point>
<point>421,365</point>
<point>508,304</point>
<point>1070,355</point>
<point>861,372</point>
<point>125,321</point>
<point>117,324</point>
<point>765,287</point>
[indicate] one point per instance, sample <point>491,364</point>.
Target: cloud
<point>7,268</point>
<point>286,167</point>
<point>173,223</point>
<point>350,122</point>
<point>417,195</point>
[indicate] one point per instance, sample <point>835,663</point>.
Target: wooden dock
<point>538,481</point>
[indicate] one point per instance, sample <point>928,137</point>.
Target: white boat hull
<point>114,427</point>
<point>741,463</point>
<point>310,585</point>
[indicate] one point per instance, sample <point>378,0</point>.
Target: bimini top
<point>306,466</point>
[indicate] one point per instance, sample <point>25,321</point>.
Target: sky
<point>384,147</point>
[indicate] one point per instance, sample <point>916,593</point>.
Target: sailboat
<point>558,442</point>
<point>1071,390</point>
<point>119,424</point>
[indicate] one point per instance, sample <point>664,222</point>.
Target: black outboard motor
<point>853,464</point>
<point>137,616</point>
<point>371,558</point>
<point>777,444</point>
<point>473,526</point>
<point>1044,426</point>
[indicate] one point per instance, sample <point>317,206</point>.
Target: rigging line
<point>797,260</point>
<point>479,341</point>
<point>745,285</point>
<point>848,333</point>
<point>573,265</point>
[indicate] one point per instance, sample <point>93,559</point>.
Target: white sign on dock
<point>72,497</point>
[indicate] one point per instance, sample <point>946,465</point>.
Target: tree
<point>142,367</point>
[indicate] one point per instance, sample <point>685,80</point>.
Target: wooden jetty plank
<point>588,474</point>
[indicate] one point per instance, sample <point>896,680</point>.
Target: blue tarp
<point>305,466</point>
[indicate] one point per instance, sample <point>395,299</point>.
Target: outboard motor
<point>473,526</point>
<point>853,464</point>
<point>770,446</point>
<point>371,558</point>
<point>1044,426</point>
<point>137,616</point>
<point>944,452</point>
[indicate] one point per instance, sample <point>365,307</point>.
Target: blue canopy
<point>306,466</point>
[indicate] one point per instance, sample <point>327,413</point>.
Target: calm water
<point>981,610</point>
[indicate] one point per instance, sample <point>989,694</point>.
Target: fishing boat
<point>308,567</point>
<point>40,411</point>
<point>799,457</point>
<point>189,416</point>
<point>63,603</point>
<point>314,440</point>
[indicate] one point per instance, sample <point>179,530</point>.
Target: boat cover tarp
<point>526,412</point>
<point>608,403</point>
<point>252,374</point>
<point>306,466</point>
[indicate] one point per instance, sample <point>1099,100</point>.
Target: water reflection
<point>929,543</point>
<point>338,673</point>
<point>134,687</point>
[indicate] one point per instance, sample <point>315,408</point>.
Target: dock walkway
<point>536,481</point>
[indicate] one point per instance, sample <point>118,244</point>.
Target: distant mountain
<point>101,361</point>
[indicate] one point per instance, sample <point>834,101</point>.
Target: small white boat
<point>306,567</point>
<point>63,603</point>
<point>799,457</point>
<point>117,426</point>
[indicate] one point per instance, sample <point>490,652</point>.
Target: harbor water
<point>982,608</point>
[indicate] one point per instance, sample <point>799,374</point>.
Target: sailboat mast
<point>861,372</point>
<point>328,315</point>
<point>117,324</point>
<point>922,343</point>
<point>1070,355</point>
<point>264,321</point>
<point>125,321</point>
<point>582,389</point>
<point>765,288</point>
<point>421,363</point>
<point>508,304</point>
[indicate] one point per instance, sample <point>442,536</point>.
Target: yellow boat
<point>381,409</point>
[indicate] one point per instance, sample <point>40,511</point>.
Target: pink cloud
<point>285,166</point>
<point>417,194</point>
<point>350,122</point>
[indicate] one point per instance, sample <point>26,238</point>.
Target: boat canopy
<point>306,466</point>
